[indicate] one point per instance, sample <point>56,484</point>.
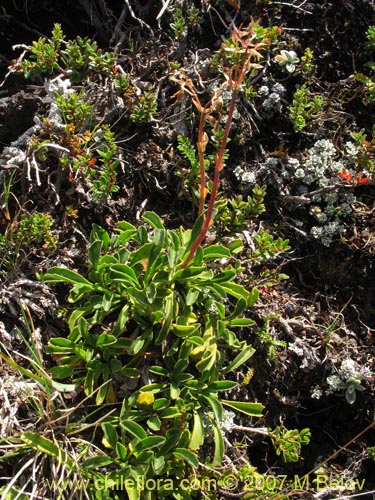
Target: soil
<point>324,311</point>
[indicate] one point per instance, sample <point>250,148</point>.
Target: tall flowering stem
<point>219,165</point>
<point>240,55</point>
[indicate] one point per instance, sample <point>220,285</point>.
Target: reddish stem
<point>201,149</point>
<point>215,185</point>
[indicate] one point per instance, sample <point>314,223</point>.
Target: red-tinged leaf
<point>345,175</point>
<point>361,180</point>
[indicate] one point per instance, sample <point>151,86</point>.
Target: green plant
<point>366,149</point>
<point>36,228</point>
<point>79,59</point>
<point>288,442</point>
<point>265,336</point>
<point>178,25</point>
<point>370,37</point>
<point>145,108</point>
<point>287,59</point>
<point>6,194</point>
<point>143,311</point>
<point>304,107</point>
<point>267,246</point>
<point>84,59</point>
<point>368,84</point>
<point>75,109</point>
<point>29,384</point>
<point>43,55</point>
<point>260,486</point>
<point>106,185</point>
<point>307,67</point>
<point>235,214</point>
<point>371,452</point>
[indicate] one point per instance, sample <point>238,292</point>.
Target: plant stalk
<point>219,165</point>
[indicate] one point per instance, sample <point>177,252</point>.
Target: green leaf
<point>160,404</point>
<point>61,372</point>
<point>174,390</point>
<point>123,273</point>
<point>170,412</point>
<point>240,359</point>
<point>110,434</point>
<point>187,455</point>
<point>221,385</point>
<point>126,226</point>
<point>216,406</point>
<point>148,443</point>
<point>184,330</point>
<point>251,409</point>
<point>209,357</point>
<point>170,313</point>
<point>105,339</point>
<point>121,451</point>
<point>98,233</point>
<point>224,276</point>
<point>236,290</point>
<point>43,445</point>
<point>153,219</point>
<point>139,298</point>
<point>254,296</point>
<point>94,462</point>
<point>122,319</point>
<point>60,387</point>
<point>94,252</point>
<point>189,272</point>
<point>62,275</point>
<point>219,445</point>
<point>191,297</point>
<point>197,434</point>
<point>215,252</point>
<point>22,370</point>
<point>132,490</point>
<point>115,365</point>
<point>235,246</point>
<point>78,291</point>
<point>130,372</point>
<point>305,435</point>
<point>195,232</point>
<point>241,322</point>
<point>154,423</point>
<point>133,428</point>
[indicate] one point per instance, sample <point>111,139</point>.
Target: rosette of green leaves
<point>170,329</point>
